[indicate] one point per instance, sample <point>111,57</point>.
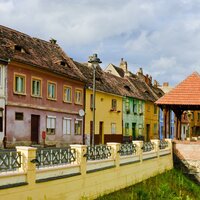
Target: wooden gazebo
<point>185,96</point>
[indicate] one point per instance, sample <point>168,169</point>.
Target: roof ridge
<point>13,30</point>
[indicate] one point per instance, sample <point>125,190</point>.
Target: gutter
<point>4,60</point>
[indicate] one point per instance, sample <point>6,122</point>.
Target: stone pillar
<point>81,151</point>
<point>115,152</point>
<point>139,144</point>
<point>28,154</point>
<point>156,146</point>
<point>171,149</point>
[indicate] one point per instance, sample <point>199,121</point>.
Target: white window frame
<point>1,75</point>
<point>51,125</point>
<point>75,122</point>
<point>34,86</point>
<point>67,128</point>
<point>20,83</point>
<point>78,96</point>
<point>66,97</point>
<point>50,94</point>
<point>113,128</point>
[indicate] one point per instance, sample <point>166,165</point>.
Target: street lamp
<point>94,60</point>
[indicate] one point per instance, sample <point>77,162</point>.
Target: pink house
<point>44,91</point>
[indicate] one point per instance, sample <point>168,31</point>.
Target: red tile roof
<point>37,53</point>
<point>185,93</point>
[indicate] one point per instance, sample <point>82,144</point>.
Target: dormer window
<point>127,88</point>
<point>19,48</point>
<point>146,92</point>
<point>63,63</point>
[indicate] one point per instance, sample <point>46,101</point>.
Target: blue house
<point>161,124</point>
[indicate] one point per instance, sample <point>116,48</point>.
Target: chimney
<point>165,84</point>
<point>150,79</point>
<point>140,71</point>
<point>155,83</point>
<point>123,65</point>
<point>147,79</point>
<point>52,41</point>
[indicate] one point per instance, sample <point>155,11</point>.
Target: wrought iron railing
<point>98,152</point>
<point>10,160</point>
<point>163,144</point>
<point>54,156</point>
<point>148,146</point>
<point>128,149</point>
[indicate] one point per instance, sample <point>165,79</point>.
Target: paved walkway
<point>189,153</point>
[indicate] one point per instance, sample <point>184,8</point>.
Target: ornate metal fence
<point>127,149</point>
<point>54,156</point>
<point>148,146</point>
<point>10,160</point>
<point>98,152</point>
<point>163,144</point>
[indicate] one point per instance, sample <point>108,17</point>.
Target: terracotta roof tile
<point>185,93</point>
<point>37,53</point>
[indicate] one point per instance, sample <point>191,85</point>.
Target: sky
<point>161,36</point>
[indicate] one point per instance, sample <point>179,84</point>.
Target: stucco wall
<point>103,113</point>
<point>151,119</point>
<point>19,132</point>
<point>133,117</point>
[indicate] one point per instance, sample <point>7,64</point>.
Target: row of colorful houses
<point>42,90</point>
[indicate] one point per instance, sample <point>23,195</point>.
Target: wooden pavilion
<point>184,97</point>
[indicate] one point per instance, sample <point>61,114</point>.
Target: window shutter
<point>68,128</point>
<point>64,127</point>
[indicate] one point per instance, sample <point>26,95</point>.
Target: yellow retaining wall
<point>88,185</point>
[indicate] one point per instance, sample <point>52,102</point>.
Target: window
<point>1,75</point>
<point>51,125</point>
<point>91,101</point>
<point>51,90</point>
<point>155,109</point>
<point>198,117</point>
<point>113,128</point>
<point>78,127</point>
<point>155,128</point>
<point>148,108</point>
<point>140,108</point>
<point>126,128</point>
<point>19,84</point>
<point>114,104</point>
<point>36,87</point>
<point>78,96</point>
<point>134,107</point>
<point>67,126</point>
<point>192,116</point>
<point>1,121</point>
<point>19,116</point>
<point>67,94</point>
<point>127,105</point>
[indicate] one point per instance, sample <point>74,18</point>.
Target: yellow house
<point>108,117</point>
<point>151,120</point>
<point>108,107</point>
<point>195,123</point>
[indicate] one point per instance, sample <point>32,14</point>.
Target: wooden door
<point>35,123</point>
<point>101,140</point>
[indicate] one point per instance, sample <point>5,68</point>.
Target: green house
<point>133,118</point>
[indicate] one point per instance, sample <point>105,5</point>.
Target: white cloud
<point>161,36</point>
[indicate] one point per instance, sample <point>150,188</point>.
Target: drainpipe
<point>84,105</point>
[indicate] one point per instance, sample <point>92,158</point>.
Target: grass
<point>169,185</point>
